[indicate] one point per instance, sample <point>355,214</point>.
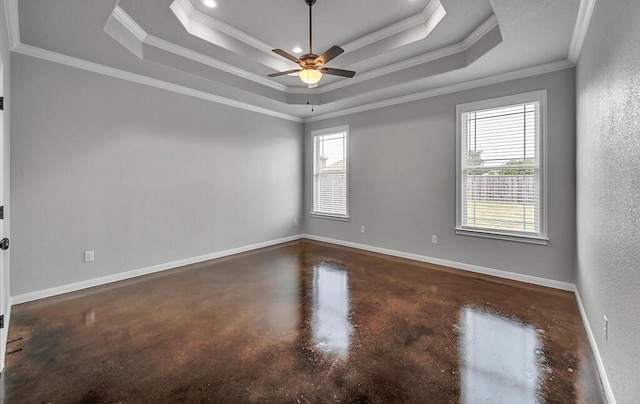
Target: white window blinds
<point>500,173</point>
<point>330,174</point>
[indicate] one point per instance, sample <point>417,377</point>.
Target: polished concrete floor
<point>303,322</point>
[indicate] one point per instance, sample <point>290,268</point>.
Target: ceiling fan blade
<point>330,54</point>
<point>284,73</point>
<point>338,72</point>
<point>287,56</point>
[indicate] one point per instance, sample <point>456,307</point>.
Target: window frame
<point>541,237</point>
<point>323,132</point>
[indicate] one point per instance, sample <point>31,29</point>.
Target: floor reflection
<point>330,311</point>
<point>500,361</point>
<point>250,328</point>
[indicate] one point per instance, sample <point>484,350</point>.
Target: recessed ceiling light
<point>297,49</point>
<point>210,3</point>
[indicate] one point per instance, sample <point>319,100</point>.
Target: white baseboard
<point>453,264</point>
<point>594,348</point>
<point>58,290</point>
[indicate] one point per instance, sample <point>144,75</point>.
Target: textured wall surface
<point>608,189</point>
<point>140,175</point>
<point>403,170</point>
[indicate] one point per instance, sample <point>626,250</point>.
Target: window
<point>331,173</point>
<point>500,179</point>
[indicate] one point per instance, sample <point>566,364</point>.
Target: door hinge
<point>2,321</point>
<point>1,212</point>
<point>1,103</point>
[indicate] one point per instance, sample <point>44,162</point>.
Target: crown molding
<point>394,67</point>
<point>138,32</point>
<point>518,74</point>
<point>211,62</point>
<point>11,7</point>
<point>213,23</point>
<point>482,30</point>
<point>129,23</point>
<point>585,12</point>
<point>140,79</point>
<point>433,7</point>
<point>145,80</point>
<point>462,46</point>
<point>386,32</point>
<point>187,14</point>
<point>433,10</point>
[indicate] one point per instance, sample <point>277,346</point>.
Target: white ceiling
<point>400,49</point>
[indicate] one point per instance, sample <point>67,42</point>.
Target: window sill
<point>503,236</point>
<point>330,217</point>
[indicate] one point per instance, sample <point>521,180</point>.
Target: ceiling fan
<point>312,66</point>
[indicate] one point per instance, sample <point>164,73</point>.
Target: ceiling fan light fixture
<point>310,76</point>
<point>311,66</point>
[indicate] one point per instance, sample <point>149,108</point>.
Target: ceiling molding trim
<point>585,12</point>
<point>13,22</point>
<point>129,23</point>
<point>431,8</point>
<point>482,30</point>
<point>434,8</point>
<point>144,80</point>
<point>211,62</point>
<point>462,46</point>
<point>217,25</point>
<point>195,20</point>
<point>132,26</point>
<point>518,74</point>
<point>392,68</point>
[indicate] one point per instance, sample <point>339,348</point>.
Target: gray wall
<point>402,173</point>
<point>608,189</point>
<point>140,175</point>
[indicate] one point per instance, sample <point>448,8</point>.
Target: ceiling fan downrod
<point>310,3</point>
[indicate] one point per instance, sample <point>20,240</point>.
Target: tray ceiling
<point>398,48</point>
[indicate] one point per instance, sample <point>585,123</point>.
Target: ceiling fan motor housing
<point>311,61</point>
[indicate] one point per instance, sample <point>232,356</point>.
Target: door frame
<point>5,299</point>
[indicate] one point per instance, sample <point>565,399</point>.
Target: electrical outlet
<point>606,328</point>
<point>295,221</point>
<point>89,256</point>
<point>362,229</point>
<point>434,239</point>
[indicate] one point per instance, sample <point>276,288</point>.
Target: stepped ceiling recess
<point>401,49</point>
